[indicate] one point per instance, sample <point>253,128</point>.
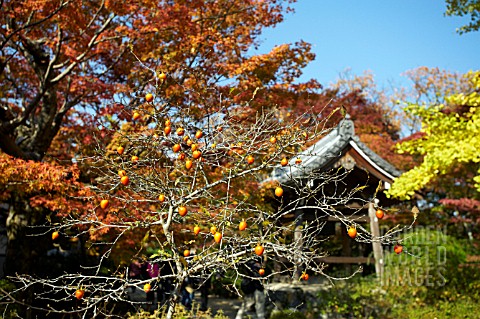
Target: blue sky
<point>387,37</point>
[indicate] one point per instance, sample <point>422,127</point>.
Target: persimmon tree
<point>163,174</point>
<point>74,81</point>
<point>67,67</point>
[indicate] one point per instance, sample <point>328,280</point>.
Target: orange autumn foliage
<point>47,185</point>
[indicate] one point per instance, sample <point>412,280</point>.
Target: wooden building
<point>338,166</point>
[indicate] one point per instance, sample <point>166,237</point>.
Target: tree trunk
<point>172,303</point>
<point>25,252</point>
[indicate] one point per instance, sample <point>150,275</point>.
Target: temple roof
<point>331,148</point>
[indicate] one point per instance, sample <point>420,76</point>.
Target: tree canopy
<point>449,140</point>
<point>68,65</point>
<point>70,71</point>
<point>462,8</point>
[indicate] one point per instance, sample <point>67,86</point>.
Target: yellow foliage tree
<point>449,139</point>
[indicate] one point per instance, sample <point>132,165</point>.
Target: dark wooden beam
<point>347,260</point>
<point>355,218</point>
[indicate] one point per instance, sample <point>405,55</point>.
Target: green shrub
<point>463,308</point>
<point>357,298</point>
<point>180,313</point>
<point>428,265</point>
<point>429,279</point>
<point>287,314</point>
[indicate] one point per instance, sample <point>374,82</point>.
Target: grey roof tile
<point>326,151</point>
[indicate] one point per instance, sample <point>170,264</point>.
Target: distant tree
<point>377,122</point>
<point>448,139</point>
<point>448,146</point>
<point>429,86</point>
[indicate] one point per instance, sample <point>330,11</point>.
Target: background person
<point>253,303</point>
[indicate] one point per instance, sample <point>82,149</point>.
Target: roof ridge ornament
<point>346,127</point>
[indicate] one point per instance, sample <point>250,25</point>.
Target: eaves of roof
<point>327,151</point>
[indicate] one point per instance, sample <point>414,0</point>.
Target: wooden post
<point>377,246</point>
<point>346,248</point>
<point>298,239</point>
